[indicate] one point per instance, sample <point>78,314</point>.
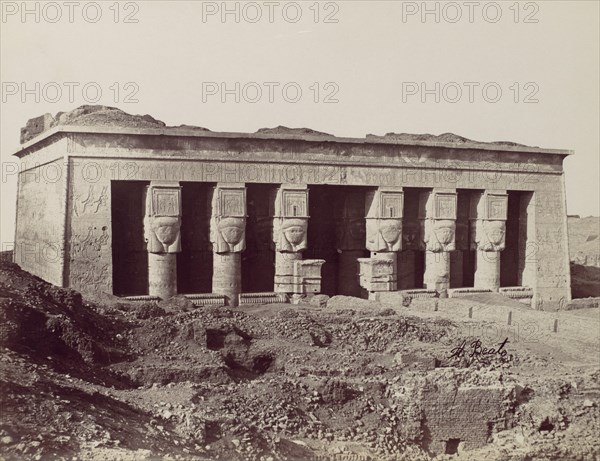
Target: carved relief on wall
<point>162,222</point>
<point>232,202</point>
<point>89,246</point>
<point>490,205</point>
<point>93,277</point>
<point>88,270</point>
<point>391,204</point>
<point>165,202</point>
<point>497,206</point>
<point>488,235</point>
<point>294,203</point>
<point>444,206</point>
<point>551,235</point>
<point>440,235</point>
<point>90,201</point>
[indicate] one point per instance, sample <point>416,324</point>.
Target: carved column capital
<point>384,210</point>
<point>228,218</point>
<point>488,220</point>
<point>488,235</point>
<point>440,235</point>
<point>162,221</point>
<point>440,220</point>
<point>290,218</point>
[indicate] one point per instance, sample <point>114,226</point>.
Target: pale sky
<point>372,61</point>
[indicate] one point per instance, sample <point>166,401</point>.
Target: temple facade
<point>230,218</point>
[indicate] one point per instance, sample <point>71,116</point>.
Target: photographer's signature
<point>475,352</point>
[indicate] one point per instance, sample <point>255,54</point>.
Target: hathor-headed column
<point>350,240</point>
<point>228,236</point>
<point>290,225</point>
<point>488,231</point>
<point>162,232</point>
<point>384,209</point>
<point>439,237</point>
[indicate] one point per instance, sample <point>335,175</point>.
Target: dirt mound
<point>43,321</point>
<point>585,281</point>
<point>584,240</point>
<point>107,379</point>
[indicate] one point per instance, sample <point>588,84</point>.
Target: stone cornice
<point>57,132</point>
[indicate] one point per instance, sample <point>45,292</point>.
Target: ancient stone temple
<point>122,204</point>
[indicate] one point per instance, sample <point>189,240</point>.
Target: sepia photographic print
<point>300,230</point>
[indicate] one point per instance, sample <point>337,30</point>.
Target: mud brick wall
<point>460,414</point>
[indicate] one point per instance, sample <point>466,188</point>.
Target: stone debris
<point>83,379</point>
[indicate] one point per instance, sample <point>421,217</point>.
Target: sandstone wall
<point>98,159</point>
<point>39,234</point>
<point>90,230</point>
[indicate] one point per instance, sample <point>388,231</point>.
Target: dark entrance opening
<point>129,254</point>
<point>331,210</point>
<point>512,259</point>
<point>258,259</point>
<point>411,260</point>
<point>195,262</point>
<point>462,270</point>
<point>452,446</point>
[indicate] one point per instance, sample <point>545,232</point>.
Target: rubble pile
<point>110,379</point>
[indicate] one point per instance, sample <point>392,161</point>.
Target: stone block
<point>378,273</point>
<point>307,276</point>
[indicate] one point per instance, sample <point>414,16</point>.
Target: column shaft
<point>437,270</point>
<point>289,209</point>
<point>487,270</point>
<point>162,232</point>
<point>162,275</point>
<point>489,232</point>
<point>227,276</point>
<point>439,237</point>
<point>284,271</point>
<point>228,236</point>
<point>384,210</point>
